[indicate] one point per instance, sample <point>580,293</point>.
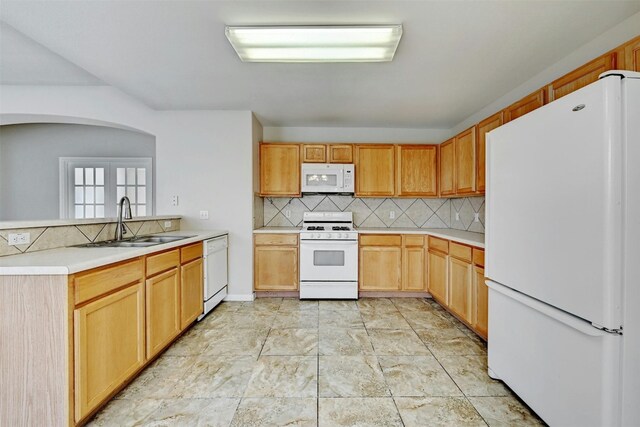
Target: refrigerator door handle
<point>572,321</point>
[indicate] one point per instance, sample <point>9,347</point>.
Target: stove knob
<point>317,235</point>
<point>345,235</point>
<point>327,235</point>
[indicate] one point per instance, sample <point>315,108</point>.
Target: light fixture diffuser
<point>363,43</point>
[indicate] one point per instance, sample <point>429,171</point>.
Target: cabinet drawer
<point>191,252</point>
<point>276,239</point>
<point>436,244</point>
<point>478,257</point>
<point>380,240</point>
<point>100,281</point>
<point>162,262</point>
<point>459,251</point>
<point>412,240</point>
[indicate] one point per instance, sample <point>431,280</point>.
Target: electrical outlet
<point>174,200</point>
<point>167,224</point>
<point>287,213</point>
<point>19,239</point>
<point>392,214</point>
<point>457,216</point>
<point>204,214</point>
<point>476,217</point>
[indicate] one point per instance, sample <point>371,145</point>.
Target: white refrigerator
<point>563,255</point>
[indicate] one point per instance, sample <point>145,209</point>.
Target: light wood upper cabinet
<point>417,170</point>
<point>314,153</point>
<point>279,169</point>
<point>191,292</point>
<point>375,170</point>
<point>163,310</point>
<point>438,275</point>
<point>447,179</point>
<point>275,262</point>
<point>582,76</point>
<point>460,288</point>
<point>340,153</point>
<point>414,263</point>
<point>465,157</point>
<point>485,126</point>
<point>632,55</point>
<point>109,344</point>
<point>526,105</point>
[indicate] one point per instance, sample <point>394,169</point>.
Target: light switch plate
<point>19,239</point>
<point>174,200</point>
<point>287,213</point>
<point>204,214</point>
<point>476,217</point>
<point>392,214</point>
<point>457,216</point>
<point>167,224</point>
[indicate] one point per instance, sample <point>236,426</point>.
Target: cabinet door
<point>414,269</point>
<point>417,170</point>
<point>191,292</point>
<point>460,287</point>
<point>163,310</point>
<point>108,344</point>
<point>447,168</point>
<point>481,303</point>
<point>582,76</point>
<point>380,268</point>
<point>375,167</point>
<point>484,126</point>
<point>525,105</point>
<point>437,273</point>
<point>314,153</point>
<point>340,153</point>
<point>465,155</point>
<point>632,55</point>
<point>276,268</point>
<point>279,169</point>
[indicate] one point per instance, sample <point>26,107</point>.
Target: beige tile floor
<point>285,362</point>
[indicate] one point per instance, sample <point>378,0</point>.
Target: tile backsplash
<point>69,235</point>
<point>375,212</point>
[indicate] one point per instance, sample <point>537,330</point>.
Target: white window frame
<point>67,166</point>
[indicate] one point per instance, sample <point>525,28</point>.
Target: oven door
<point>322,178</point>
<point>329,260</point>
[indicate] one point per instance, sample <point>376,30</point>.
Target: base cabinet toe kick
<point>74,341</point>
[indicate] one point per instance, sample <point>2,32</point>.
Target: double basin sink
<point>138,242</point>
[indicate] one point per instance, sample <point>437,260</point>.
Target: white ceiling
<point>454,58</point>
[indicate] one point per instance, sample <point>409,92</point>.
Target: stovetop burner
<point>315,228</point>
<point>340,228</point>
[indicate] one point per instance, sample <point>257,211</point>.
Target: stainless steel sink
<point>139,242</point>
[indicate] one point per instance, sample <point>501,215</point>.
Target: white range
<point>328,256</point>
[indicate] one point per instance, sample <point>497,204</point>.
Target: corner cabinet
<point>375,170</point>
<point>275,262</point>
<point>279,169</point>
<point>447,168</point>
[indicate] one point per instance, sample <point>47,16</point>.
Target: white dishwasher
<point>215,272</point>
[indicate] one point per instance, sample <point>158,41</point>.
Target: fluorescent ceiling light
<point>372,43</point>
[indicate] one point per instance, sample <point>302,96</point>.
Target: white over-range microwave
<point>328,178</point>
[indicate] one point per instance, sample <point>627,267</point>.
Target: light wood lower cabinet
<point>380,268</point>
<point>438,277</point>
<point>109,345</point>
<point>460,287</point>
<point>191,292</point>
<point>414,263</point>
<point>163,310</point>
<point>275,262</point>
<point>481,304</point>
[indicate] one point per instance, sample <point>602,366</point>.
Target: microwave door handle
<point>340,179</point>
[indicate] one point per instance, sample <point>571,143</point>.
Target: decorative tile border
<point>375,212</point>
<point>69,235</point>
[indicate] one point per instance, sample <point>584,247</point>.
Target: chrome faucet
<point>120,228</point>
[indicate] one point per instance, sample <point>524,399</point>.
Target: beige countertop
<point>63,261</point>
<point>466,237</point>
